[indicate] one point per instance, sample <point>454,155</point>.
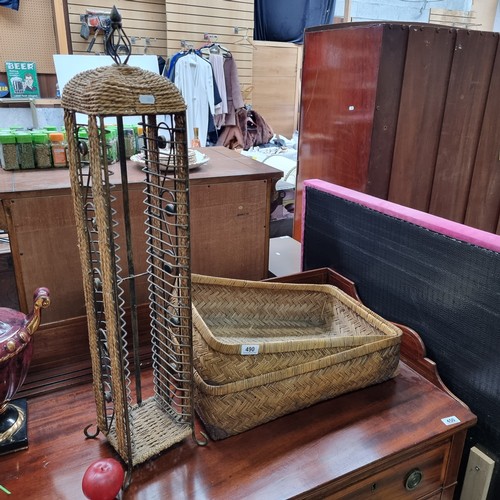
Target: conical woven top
<point>121,90</point>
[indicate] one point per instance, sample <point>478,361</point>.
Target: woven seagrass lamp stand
<point>137,428</point>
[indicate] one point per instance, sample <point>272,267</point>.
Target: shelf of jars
<point>40,148</point>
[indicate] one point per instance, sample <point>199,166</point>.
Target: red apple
<point>103,479</point>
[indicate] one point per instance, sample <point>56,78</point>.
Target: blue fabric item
<point>285,20</point>
<point>161,64</point>
<point>173,60</point>
<point>10,4</point>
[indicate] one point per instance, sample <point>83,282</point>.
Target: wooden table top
<point>280,459</point>
<point>225,165</point>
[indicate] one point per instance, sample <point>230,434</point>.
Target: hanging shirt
<point>233,90</point>
<point>194,79</point>
<point>10,4</point>
<point>217,62</point>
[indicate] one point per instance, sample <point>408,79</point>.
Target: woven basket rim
<point>388,329</point>
<point>278,346</point>
<point>293,371</point>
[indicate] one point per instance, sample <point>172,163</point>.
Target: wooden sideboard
<point>371,443</point>
<point>230,210</point>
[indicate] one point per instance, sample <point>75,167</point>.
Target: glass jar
<point>129,140</point>
<point>83,145</point>
<point>136,138</point>
<point>25,155</point>
<point>41,147</point>
<point>195,141</point>
<point>58,148</point>
<point>8,152</point>
<point>140,140</point>
<point>111,145</point>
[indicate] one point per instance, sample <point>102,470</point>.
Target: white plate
<point>201,159</point>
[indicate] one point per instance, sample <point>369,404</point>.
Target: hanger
<point>244,40</point>
<point>186,46</point>
<point>213,47</point>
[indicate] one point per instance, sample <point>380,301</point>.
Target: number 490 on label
<point>450,420</point>
<point>250,349</point>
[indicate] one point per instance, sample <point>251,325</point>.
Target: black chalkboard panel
<point>446,289</point>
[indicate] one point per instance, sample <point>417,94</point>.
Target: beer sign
<point>22,79</point>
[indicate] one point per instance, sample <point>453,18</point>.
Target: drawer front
<point>416,477</point>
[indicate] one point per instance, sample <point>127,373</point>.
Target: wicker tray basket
<point>243,329</point>
<point>235,407</point>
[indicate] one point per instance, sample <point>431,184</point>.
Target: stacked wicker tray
<point>262,350</point>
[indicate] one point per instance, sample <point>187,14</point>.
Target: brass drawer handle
<point>413,479</point>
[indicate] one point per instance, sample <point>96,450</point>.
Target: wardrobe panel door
<point>339,84</point>
<point>483,207</point>
<point>465,103</point>
<point>385,119</point>
<point>425,84</point>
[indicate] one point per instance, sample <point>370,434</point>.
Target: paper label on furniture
<point>450,420</point>
<point>250,349</point>
<point>146,99</point>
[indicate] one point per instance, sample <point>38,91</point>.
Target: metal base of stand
<point>14,427</point>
